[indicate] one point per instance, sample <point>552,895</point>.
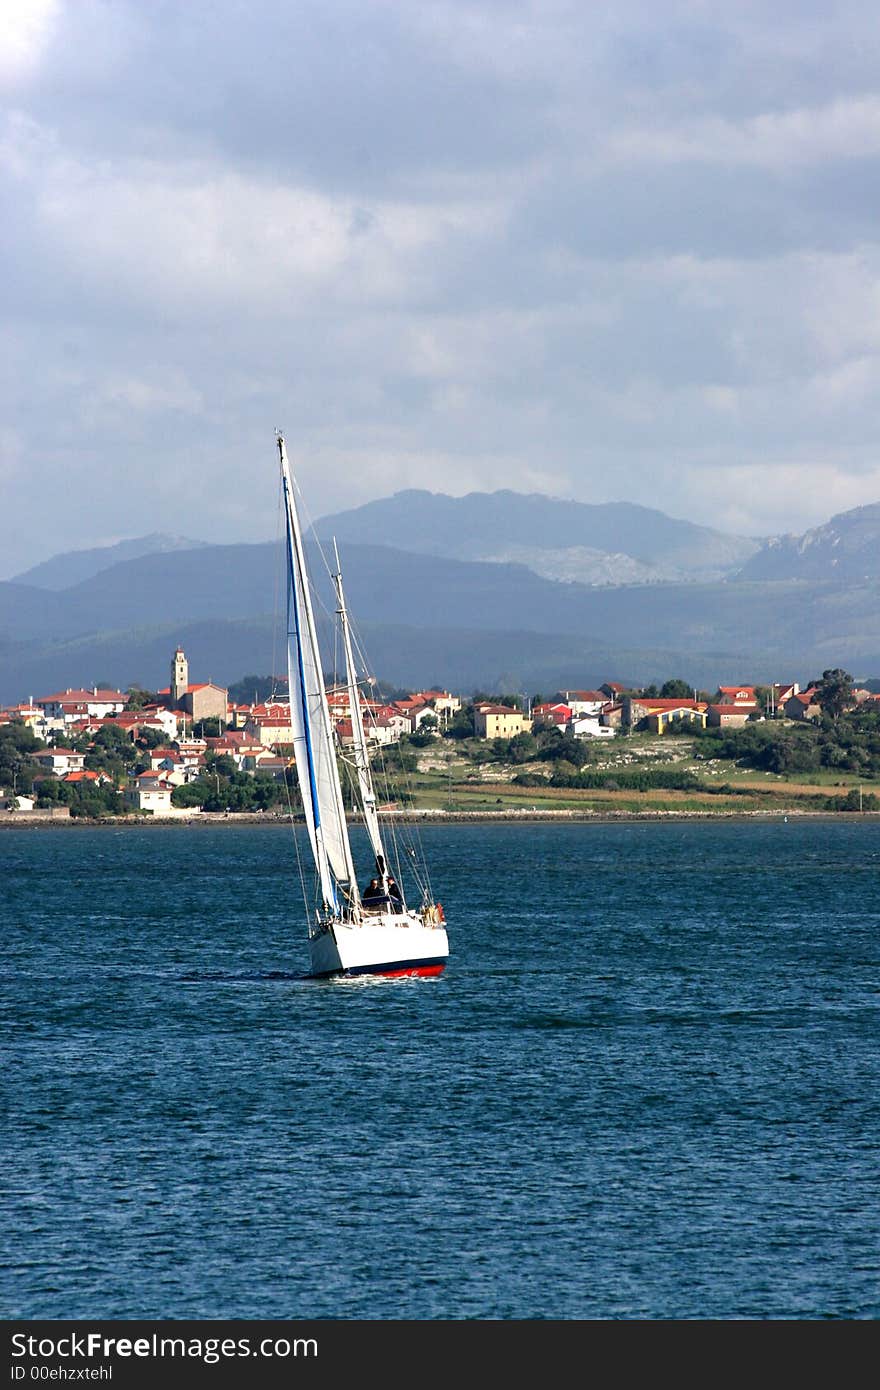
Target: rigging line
<point>310,526</point>
<point>409,834</point>
<point>299,864</point>
<point>400,833</point>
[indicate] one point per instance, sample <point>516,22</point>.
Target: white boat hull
<point>381,944</point>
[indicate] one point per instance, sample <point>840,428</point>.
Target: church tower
<point>179,676</point>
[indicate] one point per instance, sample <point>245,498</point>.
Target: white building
<point>74,704</point>
<point>152,793</point>
<point>59,760</point>
<point>588,726</point>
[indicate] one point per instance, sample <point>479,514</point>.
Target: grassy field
<point>449,780</point>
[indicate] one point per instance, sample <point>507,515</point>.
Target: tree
<point>209,727</point>
<point>138,697</point>
<point>17,742</point>
<point>676,690</point>
<point>426,731</point>
<point>193,793</point>
<point>834,692</point>
<point>462,725</point>
<point>566,748</point>
<point>522,747</point>
<point>151,738</point>
<point>764,697</point>
<point>257,689</point>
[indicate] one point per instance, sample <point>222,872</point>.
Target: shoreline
<point>26,820</point>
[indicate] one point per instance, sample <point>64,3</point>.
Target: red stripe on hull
<point>386,972</point>
<point>414,970</point>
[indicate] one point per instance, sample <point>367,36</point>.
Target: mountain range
<point>845,549</point>
<point>607,544</point>
<point>445,595</point>
<point>61,571</point>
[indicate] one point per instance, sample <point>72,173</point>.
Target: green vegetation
<point>235,791</point>
<point>257,689</point>
<point>769,764</point>
<point>16,769</point>
<point>138,698</point>
<point>845,742</point>
<point>834,692</point>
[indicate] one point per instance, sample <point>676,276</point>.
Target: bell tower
<point>179,676</point>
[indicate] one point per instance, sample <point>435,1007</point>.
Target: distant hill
<point>462,623</point>
<point>480,591</point>
<point>405,656</point>
<point>608,543</point>
<point>846,548</point>
<point>73,566</point>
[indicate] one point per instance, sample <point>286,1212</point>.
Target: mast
<point>361,755</point>
<point>310,721</point>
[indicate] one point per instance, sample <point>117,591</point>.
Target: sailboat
<point>350,933</point>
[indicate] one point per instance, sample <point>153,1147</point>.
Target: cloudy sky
<point>598,250</point>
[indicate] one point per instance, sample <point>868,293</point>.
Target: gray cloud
<point>602,252</point>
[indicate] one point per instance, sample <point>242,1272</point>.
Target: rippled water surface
<point>645,1087</point>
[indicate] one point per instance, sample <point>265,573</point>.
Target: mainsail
<point>313,744</point>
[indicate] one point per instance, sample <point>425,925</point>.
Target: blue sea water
<point>645,1087</point>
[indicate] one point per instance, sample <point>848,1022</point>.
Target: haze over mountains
<point>487,591</point>
<point>611,543</point>
<point>61,571</point>
<point>845,548</point>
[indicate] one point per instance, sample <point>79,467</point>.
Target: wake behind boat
<point>350,933</point>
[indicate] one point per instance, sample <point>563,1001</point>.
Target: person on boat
<point>394,892</point>
<point>372,897</point>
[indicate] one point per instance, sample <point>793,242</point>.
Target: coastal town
<point>190,748</point>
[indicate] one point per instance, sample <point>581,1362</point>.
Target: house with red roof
<point>558,714</point>
<point>500,721</point>
<point>419,714</point>
<point>29,714</point>
<point>59,760</point>
<point>731,715</point>
<point>78,704</point>
<point>274,766</point>
<point>192,751</point>
<point>390,719</point>
<point>583,701</point>
<point>85,777</point>
<point>150,793</point>
<point>655,713</point>
<point>782,691</point>
<point>270,730</point>
<point>239,745</point>
<point>611,714</point>
<point>735,695</point>
<point>170,766</point>
<point>803,705</point>
<point>442,702</point>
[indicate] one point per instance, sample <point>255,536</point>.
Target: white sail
<point>313,745</point>
<point>361,755</point>
<point>349,937</point>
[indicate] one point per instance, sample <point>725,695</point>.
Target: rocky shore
<point>18,820</point>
